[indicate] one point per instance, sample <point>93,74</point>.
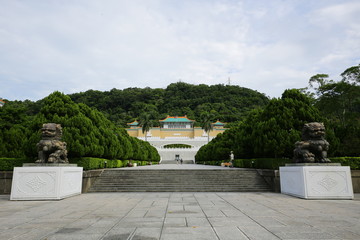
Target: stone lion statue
<point>313,147</point>
<point>50,148</point>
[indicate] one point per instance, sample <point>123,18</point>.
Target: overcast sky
<point>266,45</point>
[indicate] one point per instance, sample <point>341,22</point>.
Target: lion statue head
<point>51,131</point>
<point>313,131</point>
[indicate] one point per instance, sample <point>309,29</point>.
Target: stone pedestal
<point>45,182</point>
<point>311,181</point>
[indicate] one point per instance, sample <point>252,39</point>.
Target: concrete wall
<point>89,178</point>
<point>355,176</point>
<point>5,181</point>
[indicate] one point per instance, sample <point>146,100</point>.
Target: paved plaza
<point>172,216</point>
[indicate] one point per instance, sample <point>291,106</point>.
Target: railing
<point>149,139</point>
<point>178,149</point>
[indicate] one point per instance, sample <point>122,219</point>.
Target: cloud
<point>264,45</point>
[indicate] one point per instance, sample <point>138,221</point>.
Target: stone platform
<point>316,181</point>
<point>46,182</point>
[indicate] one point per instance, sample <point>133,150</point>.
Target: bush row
<point>88,163</point>
<point>260,163</point>
<point>8,164</point>
<point>275,163</point>
<point>353,162</point>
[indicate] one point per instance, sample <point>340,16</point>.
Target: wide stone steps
<point>175,180</point>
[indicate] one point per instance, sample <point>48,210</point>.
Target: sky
<point>265,45</point>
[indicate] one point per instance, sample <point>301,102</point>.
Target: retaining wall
<point>272,177</point>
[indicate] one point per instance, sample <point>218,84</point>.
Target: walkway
<point>174,216</point>
<point>176,166</point>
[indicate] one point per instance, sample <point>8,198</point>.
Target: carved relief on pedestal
<point>33,184</point>
<point>36,183</point>
<point>328,182</point>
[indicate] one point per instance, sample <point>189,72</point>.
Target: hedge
<point>260,163</point>
<point>88,163</point>
<point>8,164</point>
<point>353,162</point>
<point>275,163</point>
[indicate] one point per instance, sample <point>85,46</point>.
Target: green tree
<point>86,131</point>
<point>13,131</point>
<point>339,103</point>
<point>229,103</point>
<point>145,123</point>
<point>270,132</point>
<point>206,123</point>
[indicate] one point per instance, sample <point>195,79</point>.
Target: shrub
<point>270,163</point>
<point>275,163</point>
<point>89,163</point>
<point>8,164</point>
<point>353,162</point>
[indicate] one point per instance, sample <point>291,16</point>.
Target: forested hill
<point>224,102</point>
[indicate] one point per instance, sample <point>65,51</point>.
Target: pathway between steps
<point>175,166</point>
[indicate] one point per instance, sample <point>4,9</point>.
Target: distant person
<point>231,159</point>
<point>181,161</point>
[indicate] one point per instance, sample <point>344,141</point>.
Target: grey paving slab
<point>172,216</point>
<point>181,233</point>
<point>175,222</point>
<point>147,234</point>
<point>119,234</point>
<point>197,222</point>
<point>230,233</point>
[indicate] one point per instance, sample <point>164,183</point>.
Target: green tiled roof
<point>218,123</point>
<point>176,119</point>
<point>134,123</point>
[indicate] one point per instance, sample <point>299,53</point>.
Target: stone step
<point>181,190</point>
<point>155,184</point>
<point>179,180</point>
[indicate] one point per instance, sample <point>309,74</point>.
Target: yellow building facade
<point>175,127</point>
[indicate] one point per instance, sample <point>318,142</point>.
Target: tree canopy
<point>86,131</point>
<point>273,130</point>
<point>269,132</point>
<point>339,103</point>
<point>93,121</point>
<point>227,103</point>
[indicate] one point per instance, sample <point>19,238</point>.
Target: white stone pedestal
<point>46,182</point>
<point>316,182</point>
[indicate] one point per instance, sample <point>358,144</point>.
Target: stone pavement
<point>173,216</point>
